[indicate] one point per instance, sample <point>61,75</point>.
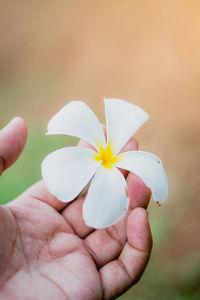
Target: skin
<point>47,251</point>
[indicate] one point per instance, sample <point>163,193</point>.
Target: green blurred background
<point>146,52</point>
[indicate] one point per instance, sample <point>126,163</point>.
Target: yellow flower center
<point>106,156</point>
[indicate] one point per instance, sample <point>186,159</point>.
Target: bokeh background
<point>146,52</point>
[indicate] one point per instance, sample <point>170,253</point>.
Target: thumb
<point>12,141</point>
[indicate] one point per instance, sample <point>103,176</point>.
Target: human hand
<point>48,252</point>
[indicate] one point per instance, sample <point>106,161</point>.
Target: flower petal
<point>78,120</point>
<point>106,200</point>
<point>123,119</point>
<point>68,170</point>
<point>149,168</point>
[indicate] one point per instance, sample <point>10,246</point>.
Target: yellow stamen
<point>106,156</point>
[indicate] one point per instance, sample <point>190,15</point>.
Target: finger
<point>118,275</point>
<point>139,194</point>
<point>106,244</point>
<point>12,141</point>
<point>73,212</point>
<point>74,216</point>
<point>39,192</point>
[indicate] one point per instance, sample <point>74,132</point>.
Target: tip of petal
<point>127,103</point>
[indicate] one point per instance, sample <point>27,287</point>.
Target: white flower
<point>67,171</point>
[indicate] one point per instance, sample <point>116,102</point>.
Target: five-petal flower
<point>67,171</point>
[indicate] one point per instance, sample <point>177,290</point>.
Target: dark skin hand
<point>47,251</point>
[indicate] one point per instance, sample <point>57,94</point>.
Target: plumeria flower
<point>67,171</point>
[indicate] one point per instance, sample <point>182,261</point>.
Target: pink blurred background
<point>145,52</point>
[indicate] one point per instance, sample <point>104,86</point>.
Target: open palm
<point>47,251</point>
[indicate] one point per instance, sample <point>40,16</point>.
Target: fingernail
<point>10,123</point>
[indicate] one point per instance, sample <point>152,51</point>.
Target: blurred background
<point>145,52</point>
